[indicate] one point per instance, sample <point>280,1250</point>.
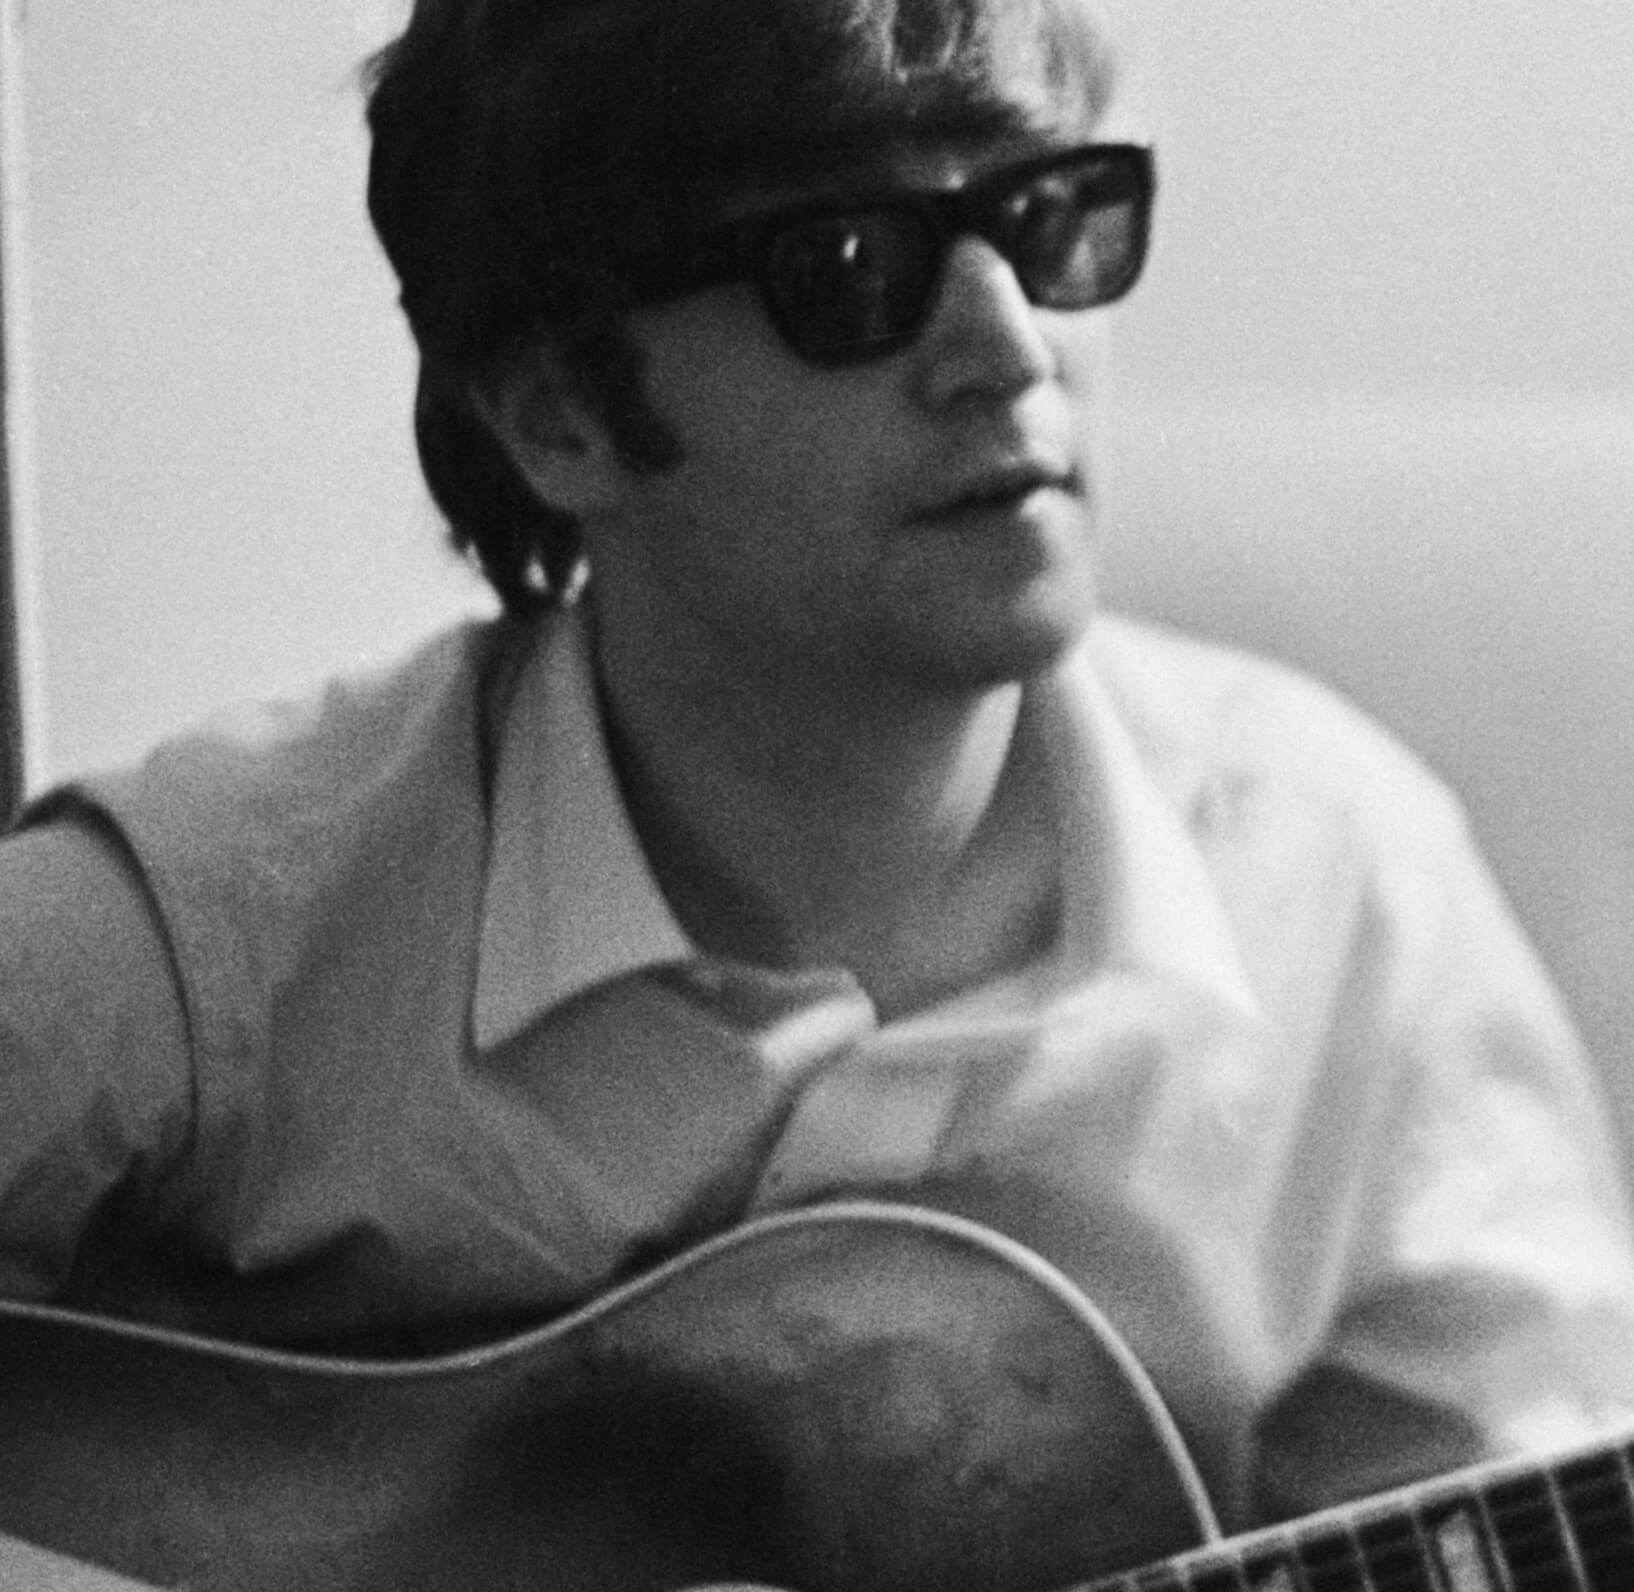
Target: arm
<point>94,1068</point>
<point>1489,1297</point>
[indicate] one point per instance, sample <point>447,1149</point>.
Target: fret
<point>1271,1572</point>
<point>1154,1578</point>
<point>1261,1572</point>
<point>1458,1539</point>
<point>1397,1555</point>
<point>1594,1496</point>
<point>1332,1561</point>
<point>1219,1578</point>
<point>1568,1535</point>
<point>1527,1529</point>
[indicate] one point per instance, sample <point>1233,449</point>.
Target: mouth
<point>1000,488</point>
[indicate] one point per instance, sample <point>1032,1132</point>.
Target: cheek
<point>1085,374</point>
<point>740,402</point>
<point>761,480</point>
<point>1083,350</point>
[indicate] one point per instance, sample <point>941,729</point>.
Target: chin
<point>1023,647</point>
<point>1047,624</point>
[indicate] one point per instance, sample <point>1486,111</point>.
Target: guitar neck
<point>1564,1526</point>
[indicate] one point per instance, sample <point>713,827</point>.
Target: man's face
<point>921,523</point>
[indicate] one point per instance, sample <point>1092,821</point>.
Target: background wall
<point>1389,197</point>
<point>1377,394</point>
<point>225,499</point>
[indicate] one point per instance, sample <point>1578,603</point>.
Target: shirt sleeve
<point>1489,1300</point>
<point>95,1089</point>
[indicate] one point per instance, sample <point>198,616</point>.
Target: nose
<point>984,339</point>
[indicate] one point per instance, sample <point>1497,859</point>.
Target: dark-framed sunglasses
<point>854,279</point>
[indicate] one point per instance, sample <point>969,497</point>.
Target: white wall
<point>1390,196</point>
<point>226,501</point>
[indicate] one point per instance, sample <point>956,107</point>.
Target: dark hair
<point>523,148</point>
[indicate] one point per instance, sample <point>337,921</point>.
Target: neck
<point>898,834</point>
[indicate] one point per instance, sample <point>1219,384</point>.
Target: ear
<point>533,406</point>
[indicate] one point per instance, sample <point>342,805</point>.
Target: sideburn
<point>612,368</point>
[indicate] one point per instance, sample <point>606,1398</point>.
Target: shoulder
<point>354,728</point>
<point>1221,728</point>
<point>1338,857</point>
<point>255,772</point>
<point>84,974</point>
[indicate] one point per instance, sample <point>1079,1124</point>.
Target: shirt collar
<point>1138,894</point>
<point>571,902</point>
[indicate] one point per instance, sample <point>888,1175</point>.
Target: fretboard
<point>1562,1526</point>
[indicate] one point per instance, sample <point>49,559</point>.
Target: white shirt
<point>1288,1097</point>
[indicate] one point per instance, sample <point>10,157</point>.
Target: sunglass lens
<point>1075,236</point>
<point>851,286</point>
<point>843,286</point>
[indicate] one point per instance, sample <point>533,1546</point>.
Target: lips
<point>999,485</point>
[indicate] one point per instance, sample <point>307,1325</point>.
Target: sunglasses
<point>850,280</point>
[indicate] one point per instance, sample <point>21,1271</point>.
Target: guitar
<point>849,1398</point>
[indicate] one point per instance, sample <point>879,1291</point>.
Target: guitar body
<point>854,1398</point>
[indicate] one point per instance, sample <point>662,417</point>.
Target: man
<point>802,830</point>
